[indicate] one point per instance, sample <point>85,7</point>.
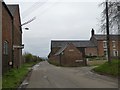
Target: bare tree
<point>114,16</point>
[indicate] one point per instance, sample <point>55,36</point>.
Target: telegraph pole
<point>118,31</point>
<point>107,30</point>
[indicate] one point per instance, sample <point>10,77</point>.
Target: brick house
<point>80,45</point>
<point>68,55</point>
<point>17,35</point>
<point>7,29</point>
<point>96,46</point>
<point>101,42</point>
<point>11,37</point>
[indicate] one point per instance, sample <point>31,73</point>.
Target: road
<point>45,75</point>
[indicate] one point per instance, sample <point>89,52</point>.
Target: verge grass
<point>14,77</point>
<point>112,68</point>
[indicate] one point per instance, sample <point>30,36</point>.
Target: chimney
<point>92,32</point>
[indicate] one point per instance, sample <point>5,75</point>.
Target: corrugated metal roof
<point>77,43</point>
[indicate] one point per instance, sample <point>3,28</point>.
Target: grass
<point>0,82</point>
<point>14,77</point>
<point>109,69</point>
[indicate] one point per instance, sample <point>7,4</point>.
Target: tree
<point>28,57</point>
<point>114,18</point>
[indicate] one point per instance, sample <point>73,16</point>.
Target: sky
<point>57,20</point>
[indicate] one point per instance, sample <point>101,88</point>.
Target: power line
<point>33,8</point>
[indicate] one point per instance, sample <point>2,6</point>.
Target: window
<point>105,52</point>
<point>113,44</point>
<point>104,44</point>
<point>115,52</point>
<point>5,48</point>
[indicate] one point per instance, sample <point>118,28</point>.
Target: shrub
<point>28,57</point>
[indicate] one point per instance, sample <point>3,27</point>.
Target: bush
<point>28,57</point>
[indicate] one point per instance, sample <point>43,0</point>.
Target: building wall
<point>114,48</point>
<point>54,59</point>
<point>17,39</point>
<point>6,36</point>
<point>70,55</point>
<point>91,51</point>
<point>101,48</point>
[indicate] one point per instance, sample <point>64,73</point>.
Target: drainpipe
<point>60,59</point>
<point>12,43</point>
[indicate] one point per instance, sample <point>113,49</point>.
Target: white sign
<point>10,63</point>
<point>78,60</point>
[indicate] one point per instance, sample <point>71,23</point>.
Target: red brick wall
<point>71,54</point>
<point>113,48</point>
<point>17,39</point>
<point>101,48</point>
<point>91,51</point>
<point>6,36</point>
<point>54,59</point>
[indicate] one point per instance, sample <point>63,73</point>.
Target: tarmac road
<point>45,75</point>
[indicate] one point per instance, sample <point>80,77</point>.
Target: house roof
<point>3,3</point>
<point>61,49</point>
<point>77,43</point>
<point>104,37</point>
<point>12,8</point>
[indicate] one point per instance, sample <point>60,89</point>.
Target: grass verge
<point>109,69</point>
<point>14,77</point>
<point>0,82</point>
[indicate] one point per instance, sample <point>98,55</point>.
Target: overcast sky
<point>57,20</point>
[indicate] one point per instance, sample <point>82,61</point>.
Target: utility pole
<point>118,31</point>
<point>107,30</point>
<point>118,7</point>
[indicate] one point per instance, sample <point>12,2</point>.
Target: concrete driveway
<point>45,75</point>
